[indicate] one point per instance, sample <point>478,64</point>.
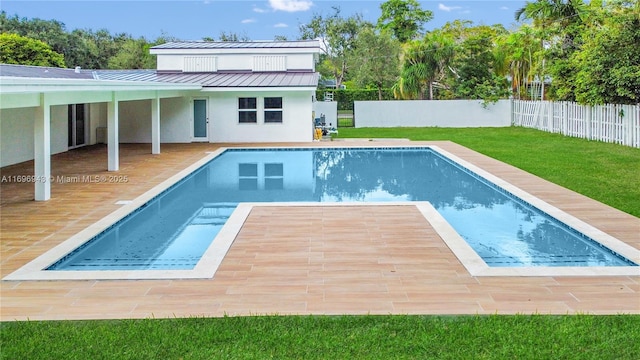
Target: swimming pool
<point>179,223</point>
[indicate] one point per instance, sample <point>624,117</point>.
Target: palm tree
<point>424,63</point>
<point>558,16</point>
<point>522,56</point>
<point>562,23</point>
<point>546,12</point>
<point>412,82</point>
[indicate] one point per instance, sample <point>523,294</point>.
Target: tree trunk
<point>430,90</point>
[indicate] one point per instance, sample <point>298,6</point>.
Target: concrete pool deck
<point>290,260</point>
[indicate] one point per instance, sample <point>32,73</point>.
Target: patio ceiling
<point>18,92</point>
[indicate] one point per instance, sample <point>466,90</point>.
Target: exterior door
<point>200,120</point>
<point>78,128</point>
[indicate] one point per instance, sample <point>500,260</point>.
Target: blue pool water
<point>173,230</point>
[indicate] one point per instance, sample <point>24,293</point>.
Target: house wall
<point>135,121</point>
<point>98,119</point>
<point>17,138</point>
<point>296,126</point>
<point>59,129</point>
<point>235,61</point>
<point>175,123</point>
<point>437,113</point>
<point>176,119</point>
<point>16,135</point>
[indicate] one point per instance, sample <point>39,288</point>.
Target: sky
<point>253,19</point>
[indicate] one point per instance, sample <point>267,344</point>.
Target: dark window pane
<point>273,170</point>
<point>80,130</point>
<point>248,170</point>
<point>273,103</point>
<point>247,103</point>
<point>273,184</point>
<point>273,116</point>
<point>248,116</point>
<point>248,184</point>
<point>76,125</point>
<point>79,111</point>
<point>70,125</point>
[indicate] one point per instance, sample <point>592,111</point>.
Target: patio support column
<point>42,150</point>
<point>112,135</point>
<point>155,125</point>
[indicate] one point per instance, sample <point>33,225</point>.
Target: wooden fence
<point>618,124</point>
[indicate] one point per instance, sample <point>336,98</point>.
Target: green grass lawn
<point>608,173</point>
<point>345,122</point>
<point>329,337</point>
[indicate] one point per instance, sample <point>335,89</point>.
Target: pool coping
<point>214,255</point>
<point>34,270</point>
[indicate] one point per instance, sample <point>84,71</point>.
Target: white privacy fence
<point>618,124</point>
<point>425,113</point>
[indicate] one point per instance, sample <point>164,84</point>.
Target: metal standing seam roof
<point>226,79</point>
<point>219,80</point>
<point>232,80</point>
<point>239,45</point>
<point>42,72</point>
<point>125,75</point>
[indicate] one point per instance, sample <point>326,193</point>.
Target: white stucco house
<point>200,92</point>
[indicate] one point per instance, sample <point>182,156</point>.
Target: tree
<point>552,12</point>
<point>608,63</point>
<point>425,62</point>
<point>86,52</point>
<point>134,54</point>
<point>520,54</point>
<point>477,68</point>
<point>16,49</point>
<point>440,52</point>
<point>337,36</point>
<point>562,22</point>
<point>404,18</point>
<point>52,32</point>
<point>233,37</point>
<point>83,47</point>
<point>375,60</point>
<point>412,83</point>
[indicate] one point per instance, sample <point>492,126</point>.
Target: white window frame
<point>273,110</point>
<point>248,110</point>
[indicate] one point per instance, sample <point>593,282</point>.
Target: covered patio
<point>42,93</point>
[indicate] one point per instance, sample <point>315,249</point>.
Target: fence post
<point>511,109</point>
<point>588,122</point>
<point>551,112</point>
<point>565,118</point>
<point>627,124</point>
